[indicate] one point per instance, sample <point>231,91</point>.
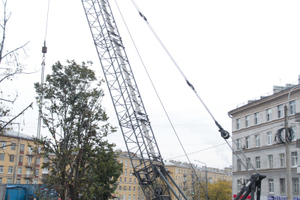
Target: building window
<point>282,185</point>
<point>125,171</point>
<point>294,159</point>
<point>293,133</point>
<point>37,161</point>
<point>120,179</point>
<point>247,121</point>
<point>29,159</point>
<point>292,107</point>
<point>120,188</point>
<point>27,181</point>
<point>124,188</point>
<point>256,118</point>
<point>13,146</point>
<point>270,138</point>
<point>37,172</point>
<point>20,159</point>
<point>1,169</point>
<point>2,156</point>
<point>248,142</point>
<point>239,144</point>
<point>280,111</point>
<point>134,189</point>
<point>3,145</point>
<point>129,180</point>
<point>18,181</point>
<point>129,197</point>
<point>239,184</point>
<point>239,165</point>
<point>282,160</point>
<point>22,147</point>
<point>10,170</point>
<point>257,161</point>
<point>257,140</point>
<point>124,197</point>
<point>11,158</point>
<point>271,186</point>
<point>8,180</point>
<point>270,161</point>
<point>129,188</point>
<point>126,163</point>
<point>248,163</point>
<point>295,182</point>
<point>238,124</point>
<point>125,180</point>
<point>0,180</point>
<point>19,170</point>
<point>130,172</point>
<point>269,115</point>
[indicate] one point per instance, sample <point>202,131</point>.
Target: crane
<point>134,123</point>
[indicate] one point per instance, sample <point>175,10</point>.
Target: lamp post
<point>206,196</point>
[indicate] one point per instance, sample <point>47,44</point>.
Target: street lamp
<point>206,196</point>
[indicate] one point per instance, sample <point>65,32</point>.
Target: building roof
<point>16,134</point>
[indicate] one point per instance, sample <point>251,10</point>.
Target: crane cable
<point>165,111</point>
<point>44,51</point>
<point>224,134</point>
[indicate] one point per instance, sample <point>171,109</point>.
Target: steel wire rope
<point>173,128</point>
<point>225,134</point>
<point>44,51</point>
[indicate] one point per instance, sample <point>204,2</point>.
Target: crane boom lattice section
<point>133,120</point>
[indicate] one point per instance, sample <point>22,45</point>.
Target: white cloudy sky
<point>231,51</point>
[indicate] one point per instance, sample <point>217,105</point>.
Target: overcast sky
<point>231,51</point>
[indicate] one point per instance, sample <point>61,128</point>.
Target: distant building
<point>18,162</point>
<point>128,186</point>
<point>257,131</point>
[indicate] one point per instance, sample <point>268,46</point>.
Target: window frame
<point>269,115</point>
<point>247,121</point>
<point>282,159</point>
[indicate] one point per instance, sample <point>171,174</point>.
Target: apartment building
<point>128,187</point>
<point>257,130</point>
<point>18,162</point>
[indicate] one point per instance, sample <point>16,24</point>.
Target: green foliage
<point>221,190</point>
<point>82,163</point>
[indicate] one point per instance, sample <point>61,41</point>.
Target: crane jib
<point>130,110</point>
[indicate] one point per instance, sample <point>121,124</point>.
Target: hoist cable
<point>44,51</point>
<point>165,111</point>
<point>225,134</point>
<point>46,29</point>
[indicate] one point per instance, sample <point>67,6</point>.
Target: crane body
<point>135,126</point>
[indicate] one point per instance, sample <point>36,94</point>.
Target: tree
<point>81,162</point>
<point>221,190</point>
<point>11,65</point>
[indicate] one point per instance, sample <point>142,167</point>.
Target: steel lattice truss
<point>129,108</point>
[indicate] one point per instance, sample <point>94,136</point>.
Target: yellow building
<point>18,162</point>
<point>182,173</point>
<point>128,187</point>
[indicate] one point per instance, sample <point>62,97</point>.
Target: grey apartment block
<point>255,127</point>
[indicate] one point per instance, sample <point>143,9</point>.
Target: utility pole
<point>287,152</point>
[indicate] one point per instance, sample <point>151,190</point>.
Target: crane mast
<point>133,119</point>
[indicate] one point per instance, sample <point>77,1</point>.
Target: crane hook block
<point>44,49</point>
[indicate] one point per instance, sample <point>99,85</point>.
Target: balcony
<point>29,176</point>
<point>30,153</point>
<point>30,165</point>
